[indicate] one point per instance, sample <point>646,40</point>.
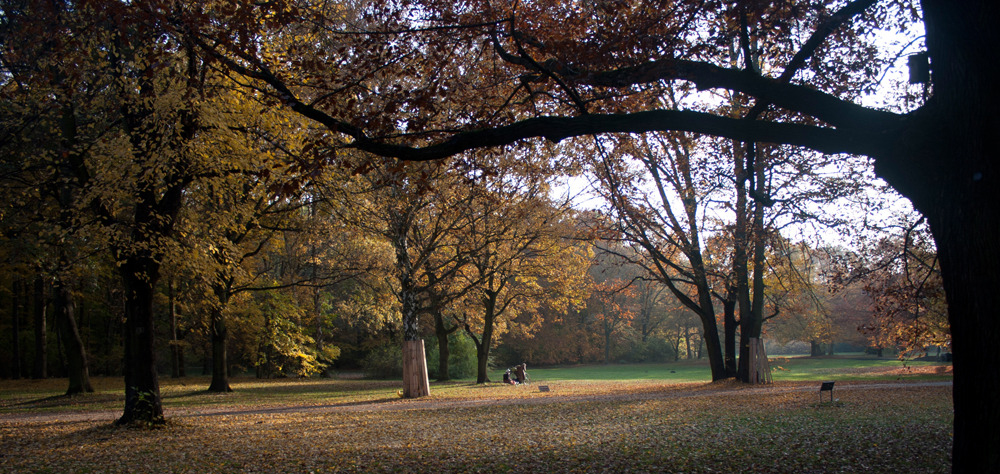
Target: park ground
<point>886,416</point>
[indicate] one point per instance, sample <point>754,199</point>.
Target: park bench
<point>826,387</point>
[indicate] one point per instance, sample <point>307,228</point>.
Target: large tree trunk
<point>142,385</point>
<point>220,360</point>
<point>948,165</point>
<point>442,332</point>
<point>970,258</point>
<point>486,340</point>
<point>76,355</point>
<point>751,291</point>
<point>40,370</point>
<point>140,271</point>
<point>219,337</point>
<point>815,349</point>
<point>415,381</point>
<point>710,332</point>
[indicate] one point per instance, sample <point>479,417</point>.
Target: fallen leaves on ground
<point>579,426</point>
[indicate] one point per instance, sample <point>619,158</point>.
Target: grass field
<point>855,368</point>
<point>635,418</point>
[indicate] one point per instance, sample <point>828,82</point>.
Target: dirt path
<point>387,404</point>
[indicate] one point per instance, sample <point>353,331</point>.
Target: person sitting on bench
<point>521,373</point>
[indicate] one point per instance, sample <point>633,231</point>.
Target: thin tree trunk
<point>320,336</point>
<point>701,345</point>
<point>608,330</point>
<point>206,359</point>
<point>729,328</point>
<point>15,316</point>
<point>41,347</point>
<point>741,244</point>
<point>176,351</point>
<point>76,355</point>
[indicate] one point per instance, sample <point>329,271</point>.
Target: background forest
<point>280,260</point>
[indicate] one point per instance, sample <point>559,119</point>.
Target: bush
<point>659,350</point>
<point>655,349</point>
<point>383,362</point>
<point>506,355</point>
<point>461,360</point>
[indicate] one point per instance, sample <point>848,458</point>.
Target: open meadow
<point>637,418</point>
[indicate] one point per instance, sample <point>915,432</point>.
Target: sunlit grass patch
<point>190,392</point>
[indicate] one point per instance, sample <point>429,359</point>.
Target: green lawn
<point>846,368</point>
<point>677,372</point>
<point>45,395</point>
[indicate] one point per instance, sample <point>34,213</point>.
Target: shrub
<point>461,359</point>
<point>383,362</point>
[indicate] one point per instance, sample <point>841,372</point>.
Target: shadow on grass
<point>277,388</point>
<point>80,399</point>
<point>287,409</point>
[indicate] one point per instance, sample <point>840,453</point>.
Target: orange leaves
<point>617,299</point>
<point>581,426</point>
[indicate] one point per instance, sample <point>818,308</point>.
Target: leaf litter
<point>579,427</point>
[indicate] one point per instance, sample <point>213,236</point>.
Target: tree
<point>663,224</point>
<point>41,140</point>
<point>520,258</point>
<point>901,276</point>
<point>614,304</point>
<point>246,209</point>
<point>798,294</point>
<point>417,209</point>
<point>133,121</point>
<point>652,312</point>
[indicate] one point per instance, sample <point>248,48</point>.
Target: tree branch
<point>859,130</point>
<point>828,108</point>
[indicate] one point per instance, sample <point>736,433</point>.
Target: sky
<point>878,204</point>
